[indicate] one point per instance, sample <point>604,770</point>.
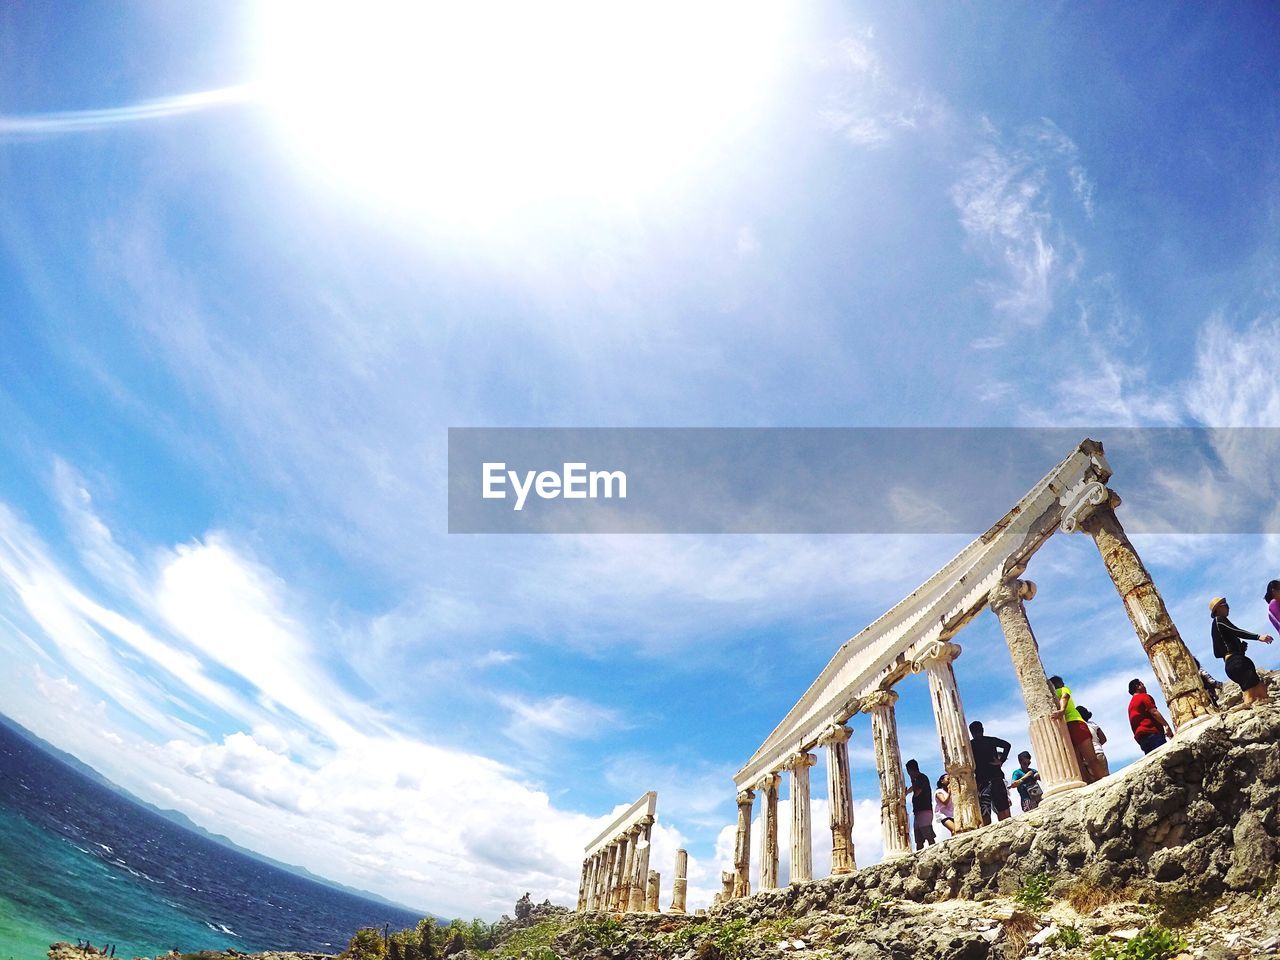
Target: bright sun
<point>481,111</point>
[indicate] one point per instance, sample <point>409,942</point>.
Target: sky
<point>257,261</point>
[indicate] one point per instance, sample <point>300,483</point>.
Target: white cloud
<point>1004,197</point>
<point>870,107</point>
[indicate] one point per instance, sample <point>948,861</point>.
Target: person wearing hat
<point>1229,643</point>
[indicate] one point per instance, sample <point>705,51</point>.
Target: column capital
<point>1081,501</point>
<point>836,733</point>
<point>648,820</point>
<point>1011,591</point>
<point>746,798</point>
<point>633,831</point>
<point>935,654</point>
<point>798,760</point>
<point>879,700</point>
<point>766,783</point>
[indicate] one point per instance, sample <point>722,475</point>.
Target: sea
<point>82,861</point>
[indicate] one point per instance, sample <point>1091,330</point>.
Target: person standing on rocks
<point>989,755</point>
<point>1273,603</point>
<point>1149,727</point>
<point>1027,779</point>
<point>921,806</point>
<point>1229,643</point>
<point>1077,729</point>
<point>1103,768</point>
<point>946,806</point>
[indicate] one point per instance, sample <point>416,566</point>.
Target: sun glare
<point>481,111</point>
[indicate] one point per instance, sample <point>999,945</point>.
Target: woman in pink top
<point>1273,603</point>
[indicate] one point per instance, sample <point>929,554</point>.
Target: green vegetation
<point>1034,895</point>
<point>367,944</point>
<point>877,909</point>
<point>1068,938</point>
<point>1154,943</point>
<point>426,941</point>
<point>606,933</point>
<point>712,940</point>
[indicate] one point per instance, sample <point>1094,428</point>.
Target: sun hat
<point>1213,604</point>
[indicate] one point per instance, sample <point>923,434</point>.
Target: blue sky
<point>233,336</point>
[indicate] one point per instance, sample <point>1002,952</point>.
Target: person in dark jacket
<point>1229,643</point>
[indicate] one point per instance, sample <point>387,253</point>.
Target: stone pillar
<point>1054,756</point>
<point>742,846</point>
<point>801,828</point>
<point>639,883</point>
<point>767,786</point>
<point>839,797</point>
<point>608,887</point>
<point>582,885</point>
<point>653,884</point>
<point>627,872</point>
<point>727,880</point>
<point>597,877</point>
<point>953,733</point>
<point>680,885</point>
<point>1171,661</point>
<point>895,832</point>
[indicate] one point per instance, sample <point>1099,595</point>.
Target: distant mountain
<point>182,820</point>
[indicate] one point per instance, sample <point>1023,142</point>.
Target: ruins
<point>615,870</point>
<point>916,636</point>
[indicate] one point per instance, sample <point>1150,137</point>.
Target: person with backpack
<point>1230,643</point>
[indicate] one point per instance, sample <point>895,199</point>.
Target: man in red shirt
<point>1150,729</point>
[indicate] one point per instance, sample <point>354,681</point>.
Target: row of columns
<point>616,878</point>
<point>597,892</point>
<point>1174,667</point>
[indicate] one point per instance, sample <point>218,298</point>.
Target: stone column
<point>582,885</point>
<point>727,880</point>
<point>895,832</point>
<point>680,885</point>
<point>953,733</point>
<point>1051,747</point>
<point>839,797</point>
<point>628,870</point>
<point>801,828</point>
<point>768,789</point>
<point>641,878</point>
<point>651,891</point>
<point>597,874</point>
<point>1171,661</point>
<point>608,887</point>
<point>742,846</point>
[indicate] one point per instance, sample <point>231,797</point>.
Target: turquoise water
<point>64,892</point>
<point>79,860</point>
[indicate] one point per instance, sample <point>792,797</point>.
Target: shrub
<point>1154,943</point>
<point>1034,894</point>
<point>367,944</point>
<point>1068,937</point>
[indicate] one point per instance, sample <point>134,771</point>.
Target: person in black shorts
<point>921,806</point>
<point>1229,643</point>
<point>989,755</point>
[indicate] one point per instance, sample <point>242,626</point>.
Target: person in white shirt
<point>1102,768</point>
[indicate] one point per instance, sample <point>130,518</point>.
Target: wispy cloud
<point>870,107</point>
<point>1003,199</point>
